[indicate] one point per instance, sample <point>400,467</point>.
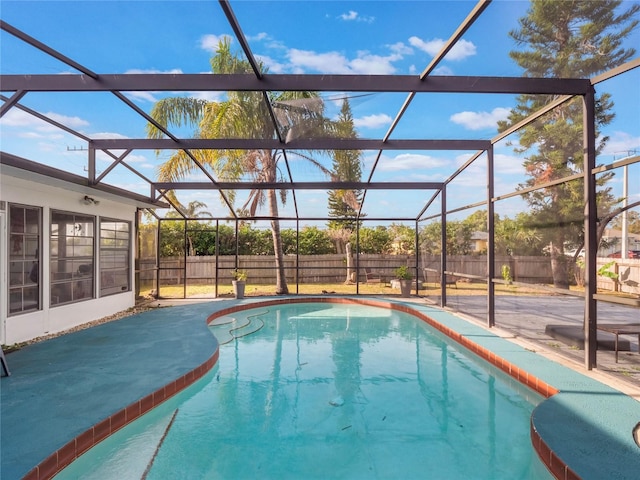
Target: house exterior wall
<point>614,238</point>
<point>49,319</point>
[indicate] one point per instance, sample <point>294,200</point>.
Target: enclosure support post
<point>217,257</point>
<point>297,270</point>
<point>417,265</point>
<point>357,258</point>
<point>158,238</point>
<point>491,264</point>
<point>235,260</point>
<point>186,255</point>
<point>91,165</point>
<point>443,249</point>
<point>136,253</point>
<point>590,225</point>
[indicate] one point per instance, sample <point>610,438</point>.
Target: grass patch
<point>256,290</point>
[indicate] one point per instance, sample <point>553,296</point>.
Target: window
<point>72,252</point>
<point>24,265</point>
<point>115,248</point>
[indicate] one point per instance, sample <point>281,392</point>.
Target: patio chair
<point>432,275</point>
<point>451,280</point>
<point>372,277</point>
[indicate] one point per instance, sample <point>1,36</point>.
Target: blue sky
<point>364,37</point>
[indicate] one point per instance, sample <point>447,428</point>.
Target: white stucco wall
<point>48,320</point>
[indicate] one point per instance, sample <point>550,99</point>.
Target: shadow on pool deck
<point>61,387</point>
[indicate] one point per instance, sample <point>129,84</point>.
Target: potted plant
<point>239,281</point>
<point>403,274</point>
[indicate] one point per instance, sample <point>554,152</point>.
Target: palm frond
<point>175,111</point>
<point>176,168</point>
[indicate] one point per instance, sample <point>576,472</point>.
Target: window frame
<point>30,266</point>
<point>120,272</point>
<point>76,284</point>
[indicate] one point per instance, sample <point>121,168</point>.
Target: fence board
<point>333,269</point>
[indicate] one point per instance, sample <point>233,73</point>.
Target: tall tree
<point>458,235</point>
<point>513,237</point>
<point>563,39</point>
<point>347,167</point>
<point>241,115</point>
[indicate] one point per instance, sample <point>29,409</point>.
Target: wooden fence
<point>333,269</point>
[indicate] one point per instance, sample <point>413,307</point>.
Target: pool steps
<point>250,324</point>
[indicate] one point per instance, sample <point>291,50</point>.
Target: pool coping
<point>578,431</point>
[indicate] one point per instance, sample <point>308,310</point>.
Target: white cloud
<point>461,50</point>
<point>107,135</point>
<point>409,161</point>
<point>353,16</point>
<point>622,144</point>
<point>72,122</point>
<point>333,61</point>
<point>144,96</point>
<point>349,16</point>
<point>267,40</point>
<point>260,36</point>
<point>210,42</point>
<point>400,48</point>
<point>373,64</point>
<point>337,63</point>
<point>19,118</point>
<point>373,121</point>
<point>273,65</point>
<point>443,71</point>
<point>137,159</point>
<point>508,164</point>
<point>480,120</point>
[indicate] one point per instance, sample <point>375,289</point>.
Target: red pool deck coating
<point>76,447</point>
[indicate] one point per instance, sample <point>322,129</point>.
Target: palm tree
<point>241,115</point>
<point>194,209</point>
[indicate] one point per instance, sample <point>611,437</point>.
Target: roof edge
<point>19,167</point>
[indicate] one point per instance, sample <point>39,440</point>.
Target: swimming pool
<point>317,390</point>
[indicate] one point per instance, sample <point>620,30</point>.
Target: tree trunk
<point>281,279</point>
<point>349,278</point>
<point>559,266</point>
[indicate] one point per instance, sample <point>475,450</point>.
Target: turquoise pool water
<point>320,390</point>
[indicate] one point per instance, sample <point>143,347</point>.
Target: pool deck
<point>63,388</point>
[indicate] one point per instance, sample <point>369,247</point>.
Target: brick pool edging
<point>64,456</point>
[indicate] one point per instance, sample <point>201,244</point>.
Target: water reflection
<point>319,378</point>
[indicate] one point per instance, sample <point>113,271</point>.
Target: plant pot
<point>405,288</point>
<point>238,288</point>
